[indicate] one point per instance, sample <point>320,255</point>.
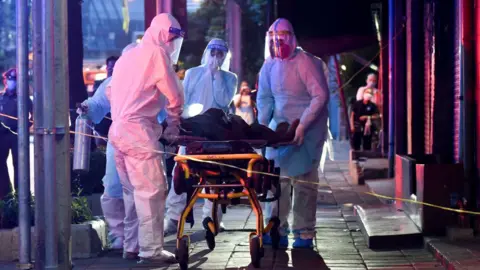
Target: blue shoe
<point>303,243</point>
<point>267,240</point>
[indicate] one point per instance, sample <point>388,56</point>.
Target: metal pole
<point>391,86</point>
<point>23,136</point>
<point>51,222</point>
<point>269,13</point>
<point>343,100</point>
<point>234,34</point>
<point>468,127</point>
<point>38,142</point>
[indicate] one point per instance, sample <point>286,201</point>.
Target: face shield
<point>217,56</point>
<point>279,44</point>
<point>174,43</point>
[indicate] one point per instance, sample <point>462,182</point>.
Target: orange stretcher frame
<point>248,192</point>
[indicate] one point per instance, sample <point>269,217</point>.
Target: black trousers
<point>8,142</point>
<point>360,139</point>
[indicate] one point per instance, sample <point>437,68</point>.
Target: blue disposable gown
<point>290,89</point>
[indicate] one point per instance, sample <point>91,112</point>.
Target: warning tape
<point>299,181</point>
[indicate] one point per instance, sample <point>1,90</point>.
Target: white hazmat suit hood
<point>165,31</point>
<point>143,84</point>
<point>210,85</point>
<point>217,55</point>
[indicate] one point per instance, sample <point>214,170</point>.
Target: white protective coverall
<point>292,86</point>
<point>207,86</point>
<point>97,107</point>
<point>144,83</point>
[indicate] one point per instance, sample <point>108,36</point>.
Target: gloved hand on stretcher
<point>215,125</point>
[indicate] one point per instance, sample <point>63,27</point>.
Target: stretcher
<point>225,185</point>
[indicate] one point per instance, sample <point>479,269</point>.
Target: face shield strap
<point>175,33</point>
<point>217,47</point>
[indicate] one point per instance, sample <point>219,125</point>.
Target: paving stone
<point>339,243</point>
<point>345,261</point>
<point>345,266</point>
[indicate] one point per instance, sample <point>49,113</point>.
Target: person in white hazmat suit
<point>291,86</point>
<point>207,86</point>
<point>120,236</point>
<point>144,83</point>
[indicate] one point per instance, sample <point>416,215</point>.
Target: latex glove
<point>82,109</point>
<point>299,135</point>
<point>170,132</point>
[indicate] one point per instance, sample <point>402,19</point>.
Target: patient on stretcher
<point>216,125</point>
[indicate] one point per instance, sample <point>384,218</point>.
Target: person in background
<point>143,84</point>
<point>8,130</point>
<point>244,105</point>
<point>371,84</point>
<point>181,74</point>
<point>110,63</point>
<point>104,125</point>
<point>207,86</point>
<point>96,108</point>
<point>293,87</point>
<point>361,121</point>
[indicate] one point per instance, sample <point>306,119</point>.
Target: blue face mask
<point>11,85</point>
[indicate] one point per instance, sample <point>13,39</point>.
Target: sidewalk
<point>339,242</point>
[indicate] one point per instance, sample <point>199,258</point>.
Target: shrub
<point>9,210</point>
<point>81,211</point>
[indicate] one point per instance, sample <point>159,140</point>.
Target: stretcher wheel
<point>274,233</point>
<point>181,253</point>
<point>256,252</point>
<point>209,235</point>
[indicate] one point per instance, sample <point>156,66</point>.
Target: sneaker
<point>164,257</point>
<point>131,256</point>
<point>117,243</point>
<point>267,240</point>
<point>222,227</point>
<point>169,226</point>
<point>303,243</point>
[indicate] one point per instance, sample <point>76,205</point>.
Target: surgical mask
<point>371,84</point>
<point>367,96</point>
<point>280,50</point>
<point>11,85</point>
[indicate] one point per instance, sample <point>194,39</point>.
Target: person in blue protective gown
<point>207,86</point>
<point>123,228</point>
<point>292,86</point>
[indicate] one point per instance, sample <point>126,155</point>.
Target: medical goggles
<point>175,33</point>
<point>217,50</point>
<point>279,33</point>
